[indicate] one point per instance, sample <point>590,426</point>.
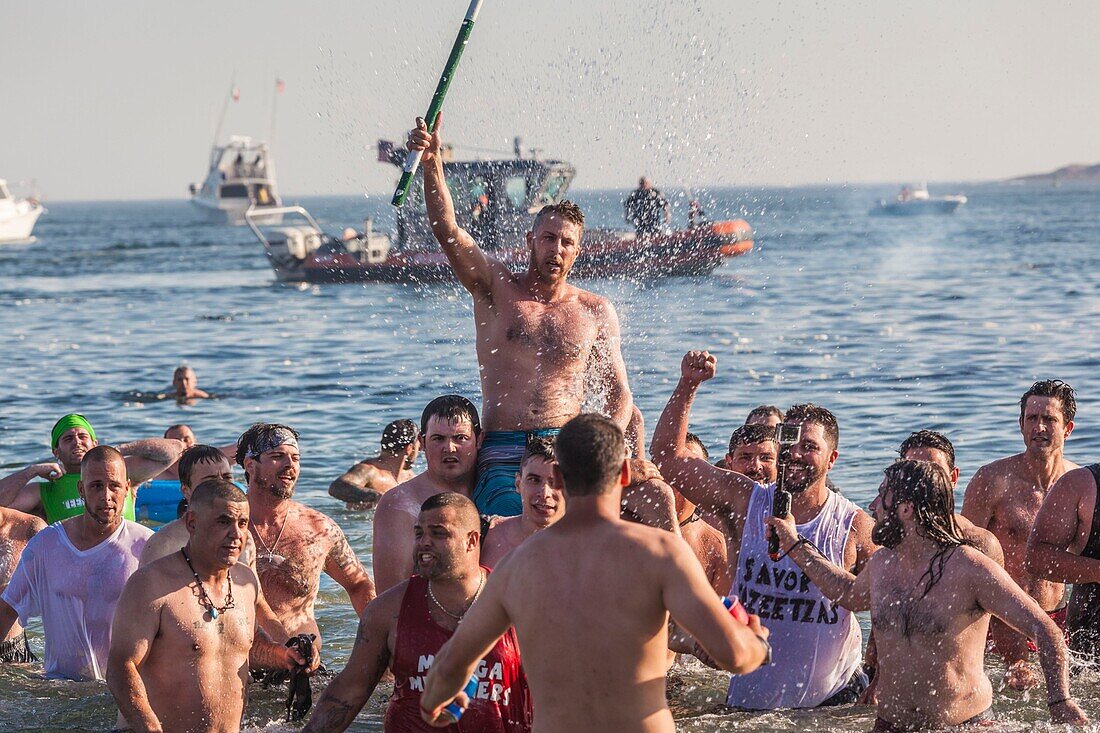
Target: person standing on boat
<point>543,345</point>
<point>647,209</point>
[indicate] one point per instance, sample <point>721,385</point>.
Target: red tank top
<point>502,703</point>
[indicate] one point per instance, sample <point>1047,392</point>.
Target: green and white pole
<point>412,159</point>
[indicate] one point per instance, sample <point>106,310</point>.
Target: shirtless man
<point>16,530</point>
<point>186,385</point>
<point>294,543</point>
<point>52,578</point>
<point>928,445</point>
<point>57,497</point>
<point>193,610</point>
<point>817,644</point>
<point>930,597</point>
<point>185,435</point>
<point>1065,548</point>
<point>1004,497</point>
<point>405,627</point>
<point>542,344</point>
<point>590,674</point>
<point>753,452</point>
<point>543,504</point>
<point>767,415</point>
<point>366,481</point>
<point>450,433</point>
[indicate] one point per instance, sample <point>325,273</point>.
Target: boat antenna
<point>234,94</point>
<point>280,87</point>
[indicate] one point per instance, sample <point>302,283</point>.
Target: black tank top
<point>1092,547</point>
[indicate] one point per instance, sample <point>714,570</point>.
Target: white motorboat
<point>17,216</point>
<point>912,201</point>
<point>241,176</point>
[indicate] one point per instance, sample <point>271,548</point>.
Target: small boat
<point>17,216</point>
<point>241,176</point>
<point>495,201</point>
<point>913,201</point>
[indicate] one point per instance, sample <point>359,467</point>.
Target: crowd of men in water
<point>544,555</point>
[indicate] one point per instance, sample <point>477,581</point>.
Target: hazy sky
<point>110,100</point>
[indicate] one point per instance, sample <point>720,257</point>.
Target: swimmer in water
<point>404,628</point>
<point>591,674</point>
<point>186,385</point>
<point>538,337</point>
<point>294,543</point>
<point>931,595</point>
<point>543,504</point>
<point>450,433</point>
<point>365,482</point>
<point>16,530</point>
<point>57,497</point>
<point>51,580</point>
<point>194,610</point>
<point>1005,496</point>
<point>817,645</point>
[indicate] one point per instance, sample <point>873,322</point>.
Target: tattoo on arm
<point>331,713</point>
<point>342,554</point>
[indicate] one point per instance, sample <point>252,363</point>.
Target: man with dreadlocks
<point>931,596</point>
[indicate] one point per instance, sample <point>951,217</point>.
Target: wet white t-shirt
<point>75,593</point>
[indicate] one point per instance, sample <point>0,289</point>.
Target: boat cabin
<point>240,170</point>
<point>494,199</point>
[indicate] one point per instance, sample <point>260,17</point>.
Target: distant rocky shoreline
<point>1076,173</point>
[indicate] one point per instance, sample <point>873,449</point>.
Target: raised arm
<point>473,268</point>
<point>707,486</point>
<point>840,586</point>
<point>1050,548</point>
<point>350,690</point>
<point>17,490</point>
<point>136,624</point>
<point>696,608</point>
<point>146,459</point>
<point>997,593</point>
<point>344,567</point>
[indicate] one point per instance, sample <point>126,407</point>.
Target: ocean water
<point>894,324</point>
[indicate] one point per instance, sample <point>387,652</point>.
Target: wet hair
<point>197,454</point>
<point>399,435</point>
<point>450,407</point>
<point>751,435</point>
<point>102,454</point>
<point>564,209</point>
<point>538,448</point>
<point>179,426</point>
<point>590,450</point>
<point>253,441</point>
<point>810,412</point>
<point>464,508</point>
<point>764,411</point>
<point>929,439</point>
<point>213,489</point>
<point>927,487</point>
<point>181,369</point>
<point>1057,389</point>
<point>693,438</point>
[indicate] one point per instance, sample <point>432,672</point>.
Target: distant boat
<point>915,201</point>
<point>241,176</point>
<point>17,216</point>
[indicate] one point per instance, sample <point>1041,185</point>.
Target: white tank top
<point>815,644</point>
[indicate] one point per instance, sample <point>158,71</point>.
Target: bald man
<point>52,579</point>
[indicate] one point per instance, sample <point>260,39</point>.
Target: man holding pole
<point>541,342</point>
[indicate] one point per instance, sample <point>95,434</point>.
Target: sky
<point>119,99</point>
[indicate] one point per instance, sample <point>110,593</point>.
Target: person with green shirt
<point>56,496</point>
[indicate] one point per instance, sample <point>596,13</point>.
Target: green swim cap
<point>70,421</point>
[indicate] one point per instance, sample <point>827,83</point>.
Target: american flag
<point>236,94</point>
<point>280,86</point>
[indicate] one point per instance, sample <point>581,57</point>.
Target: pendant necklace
<point>457,616</point>
<point>268,554</point>
<point>204,597</point>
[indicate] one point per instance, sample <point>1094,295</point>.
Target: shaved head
<point>213,489</point>
<point>465,511</point>
<point>101,455</point>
